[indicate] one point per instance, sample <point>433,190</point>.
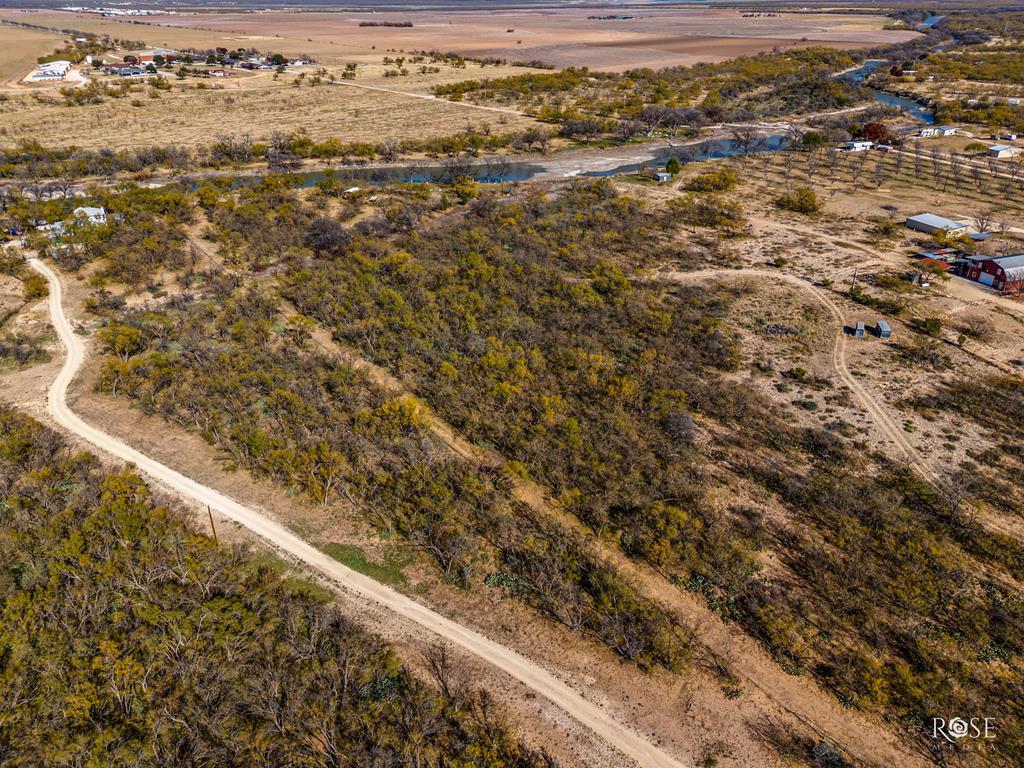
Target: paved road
<point>530,674</point>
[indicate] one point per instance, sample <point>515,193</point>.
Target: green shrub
<point>801,200</point>
<point>716,181</point>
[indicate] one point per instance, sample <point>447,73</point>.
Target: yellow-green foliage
<point>122,630</point>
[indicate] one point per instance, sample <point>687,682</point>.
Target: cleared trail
<point>589,714</point>
<point>859,737</point>
<point>878,415</point>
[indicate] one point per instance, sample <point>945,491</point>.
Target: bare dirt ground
<point>827,251</point>
<point>652,37</point>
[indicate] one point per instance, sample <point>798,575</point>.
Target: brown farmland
<point>648,37</point>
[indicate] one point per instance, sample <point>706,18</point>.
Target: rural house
<point>150,56</point>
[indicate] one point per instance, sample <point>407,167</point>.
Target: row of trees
<point>29,161</point>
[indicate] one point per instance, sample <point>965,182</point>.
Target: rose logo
<point>957,727</point>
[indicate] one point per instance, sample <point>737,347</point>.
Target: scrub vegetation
<point>530,326</point>
<point>128,640</point>
<point>744,88</point>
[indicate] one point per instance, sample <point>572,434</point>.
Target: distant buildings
<point>930,223</point>
<point>857,146</point>
<point>91,214</point>
<point>81,215</point>
<point>150,56</point>
<point>937,130</point>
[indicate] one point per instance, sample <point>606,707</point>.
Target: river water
<point>921,111</point>
<point>628,160</point>
<point>497,170</point>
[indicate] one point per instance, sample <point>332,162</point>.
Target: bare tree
<point>937,166</point>
<point>65,187</point>
<point>982,181</point>
<point>450,678</point>
<point>457,167</point>
<point>280,155</point>
<point>498,168</point>
<point>898,159</point>
<point>833,160</point>
<point>745,139</point>
<point>984,221</point>
<point>389,150</point>
<point>789,160</point>
<point>956,169</point>
<point>881,172</point>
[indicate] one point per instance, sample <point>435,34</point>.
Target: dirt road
<point>882,420</point>
<point>532,675</point>
<point>427,96</point>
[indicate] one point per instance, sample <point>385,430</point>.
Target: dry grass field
<point>649,37</point>
<point>186,116</point>
<point>259,105</point>
<point>19,49</point>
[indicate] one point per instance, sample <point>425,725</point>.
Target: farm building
<point>1003,150</point>
<point>937,130</point>
<point>1003,273</point>
<point>147,57</point>
<point>929,223</point>
<point>857,146</point>
<point>51,70</point>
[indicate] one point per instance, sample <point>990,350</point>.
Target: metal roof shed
<point>883,330</point>
<point>929,223</point>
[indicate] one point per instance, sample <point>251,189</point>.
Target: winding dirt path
<point>882,420</point>
<point>591,715</point>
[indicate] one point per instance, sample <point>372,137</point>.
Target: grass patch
<point>390,571</point>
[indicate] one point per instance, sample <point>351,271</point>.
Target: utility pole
<point>853,283</point>
<point>213,528</point>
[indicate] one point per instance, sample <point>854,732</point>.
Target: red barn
<point>147,57</point>
<point>1004,273</point>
